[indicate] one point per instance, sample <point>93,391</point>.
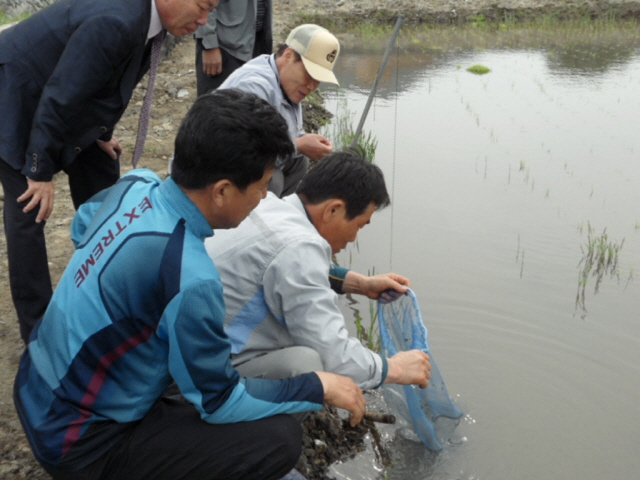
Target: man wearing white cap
<point>284,79</point>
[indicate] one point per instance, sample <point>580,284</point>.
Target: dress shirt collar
<point>155,27</point>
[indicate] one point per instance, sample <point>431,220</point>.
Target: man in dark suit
<point>67,74</point>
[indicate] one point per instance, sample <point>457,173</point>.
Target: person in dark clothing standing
<point>67,74</point>
<point>236,32</point>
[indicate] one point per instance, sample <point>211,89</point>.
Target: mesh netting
<point>401,328</point>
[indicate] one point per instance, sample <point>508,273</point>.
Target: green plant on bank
<point>479,21</point>
<point>577,17</point>
<point>370,33</point>
<point>315,99</point>
<point>314,113</point>
<point>600,258</point>
<point>382,21</point>
<point>4,18</point>
<point>342,133</point>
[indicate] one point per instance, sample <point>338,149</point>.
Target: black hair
<point>282,47</point>
<point>349,177</point>
<point>228,134</point>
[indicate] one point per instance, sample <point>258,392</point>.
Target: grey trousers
<point>283,363</point>
<point>284,182</point>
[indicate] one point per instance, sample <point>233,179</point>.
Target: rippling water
<point>496,182</point>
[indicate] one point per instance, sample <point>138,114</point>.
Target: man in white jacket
<point>280,284</point>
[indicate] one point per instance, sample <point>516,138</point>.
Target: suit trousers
<point>172,442</point>
<point>29,278</point>
<point>205,83</point>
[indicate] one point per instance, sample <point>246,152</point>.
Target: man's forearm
<point>354,283</point>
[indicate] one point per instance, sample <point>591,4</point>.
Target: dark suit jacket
<point>67,74</point>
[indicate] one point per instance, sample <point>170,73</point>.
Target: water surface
<point>496,182</point>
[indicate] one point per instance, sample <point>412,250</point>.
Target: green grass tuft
<point>478,70</point>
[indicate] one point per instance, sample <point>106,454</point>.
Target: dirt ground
<point>175,92</point>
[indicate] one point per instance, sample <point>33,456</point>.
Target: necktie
<point>145,111</point>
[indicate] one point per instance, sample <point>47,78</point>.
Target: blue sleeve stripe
<point>171,264</point>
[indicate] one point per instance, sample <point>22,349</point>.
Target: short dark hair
<point>282,47</point>
<point>349,177</point>
<point>228,134</point>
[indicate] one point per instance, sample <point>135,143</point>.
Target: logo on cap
<point>331,57</point>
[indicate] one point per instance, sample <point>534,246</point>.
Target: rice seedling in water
<point>343,133</point>
<point>600,258</point>
<point>479,69</point>
<point>369,335</point>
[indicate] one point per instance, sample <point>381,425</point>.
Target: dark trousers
<point>31,290</point>
<point>173,443</point>
<point>205,83</point>
<point>285,182</point>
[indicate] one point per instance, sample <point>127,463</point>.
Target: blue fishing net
<point>401,328</point>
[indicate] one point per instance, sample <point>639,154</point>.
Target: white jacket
<point>275,272</point>
<point>261,77</point>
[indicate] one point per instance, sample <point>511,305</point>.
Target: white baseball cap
<point>318,49</point>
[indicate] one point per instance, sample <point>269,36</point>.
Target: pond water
<point>499,183</point>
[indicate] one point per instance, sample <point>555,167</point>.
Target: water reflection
<point>589,59</point>
<point>496,183</point>
<point>585,49</point>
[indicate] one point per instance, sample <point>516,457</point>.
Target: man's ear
<point>288,55</point>
<point>220,192</point>
<point>334,209</point>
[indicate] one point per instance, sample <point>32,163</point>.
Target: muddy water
<point>498,181</point>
